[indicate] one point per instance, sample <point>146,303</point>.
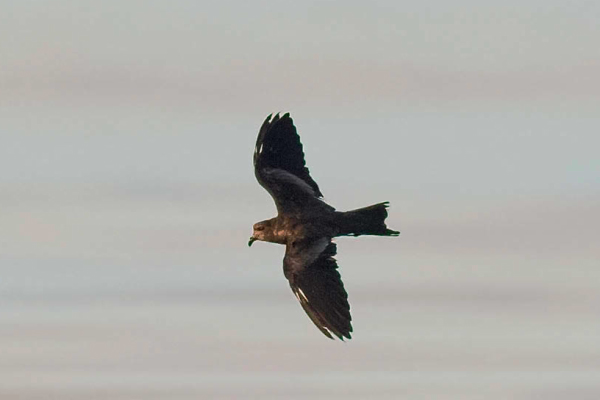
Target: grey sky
<point>127,196</point>
<point>243,56</point>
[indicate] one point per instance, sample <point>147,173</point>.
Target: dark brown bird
<point>307,225</point>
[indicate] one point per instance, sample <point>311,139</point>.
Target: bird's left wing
<point>280,168</point>
<point>312,272</point>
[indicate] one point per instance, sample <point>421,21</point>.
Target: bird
<point>306,225</point>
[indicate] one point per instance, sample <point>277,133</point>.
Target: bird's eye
<point>260,228</point>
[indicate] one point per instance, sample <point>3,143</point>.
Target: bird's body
<point>306,225</point>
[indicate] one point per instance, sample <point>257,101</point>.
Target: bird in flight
<point>306,225</point>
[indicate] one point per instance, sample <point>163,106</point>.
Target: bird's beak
<point>252,240</point>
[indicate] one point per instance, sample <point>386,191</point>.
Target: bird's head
<point>260,231</point>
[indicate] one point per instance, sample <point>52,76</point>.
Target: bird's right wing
<point>280,168</point>
<point>312,272</point>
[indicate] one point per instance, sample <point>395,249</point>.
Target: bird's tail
<point>365,221</point>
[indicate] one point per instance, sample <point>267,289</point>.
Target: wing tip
<point>322,322</point>
<point>330,332</point>
<point>271,120</point>
<point>343,336</point>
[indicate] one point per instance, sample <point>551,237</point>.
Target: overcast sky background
<point>127,197</point>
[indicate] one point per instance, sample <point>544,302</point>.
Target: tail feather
<point>366,221</point>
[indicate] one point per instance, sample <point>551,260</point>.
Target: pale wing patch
<point>258,150</point>
<point>300,295</point>
<point>286,178</point>
<point>328,330</point>
<point>311,253</point>
<point>307,256</point>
